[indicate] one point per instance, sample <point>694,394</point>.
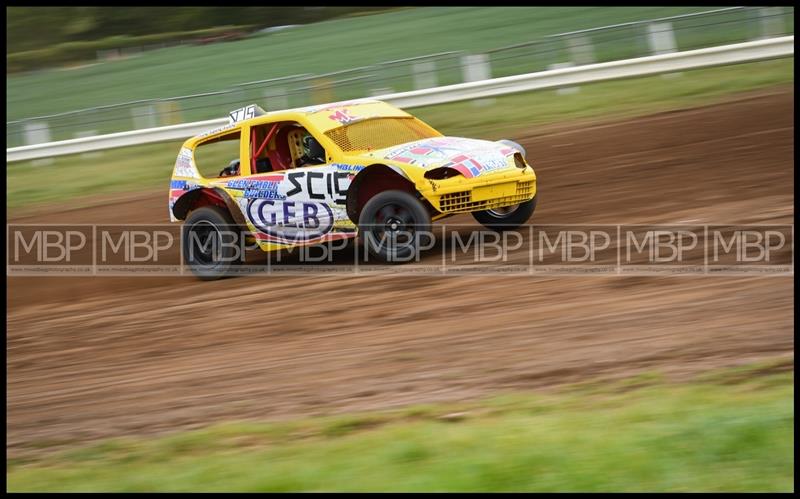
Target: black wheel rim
<point>202,246</point>
<point>393,220</point>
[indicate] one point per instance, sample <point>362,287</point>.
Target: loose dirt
<point>90,358</point>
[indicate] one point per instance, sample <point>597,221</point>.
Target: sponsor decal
<point>184,164</point>
<point>348,168</point>
<point>319,185</point>
<point>290,221</point>
<point>477,163</point>
<point>178,187</point>
<point>490,160</point>
<point>263,193</point>
<point>437,149</point>
<point>337,105</point>
<point>471,157</point>
<point>257,187</point>
<point>217,130</point>
<point>343,116</point>
<point>295,207</point>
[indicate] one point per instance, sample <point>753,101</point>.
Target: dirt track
<point>97,357</point>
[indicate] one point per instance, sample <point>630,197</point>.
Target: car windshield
<point>380,133</point>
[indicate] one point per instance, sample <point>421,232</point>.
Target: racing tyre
<point>395,226</point>
<point>507,218</point>
<point>208,237</point>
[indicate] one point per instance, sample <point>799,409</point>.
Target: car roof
<point>324,117</point>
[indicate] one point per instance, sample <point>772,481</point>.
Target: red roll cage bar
<point>255,153</point>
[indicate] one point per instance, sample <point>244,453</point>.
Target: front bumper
<point>461,195</point>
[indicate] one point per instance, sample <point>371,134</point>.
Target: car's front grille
<point>454,201</point>
<point>461,202</point>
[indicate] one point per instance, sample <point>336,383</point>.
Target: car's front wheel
<point>394,226</point>
<point>507,218</point>
<point>211,243</point>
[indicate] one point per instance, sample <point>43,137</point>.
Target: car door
<point>294,206</point>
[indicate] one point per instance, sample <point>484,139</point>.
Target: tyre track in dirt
<point>91,358</point>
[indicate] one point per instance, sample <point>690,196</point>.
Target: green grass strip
<point>733,431</point>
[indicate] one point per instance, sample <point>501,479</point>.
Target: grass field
<point>316,49</point>
<point>730,431</point>
<point>75,179</point>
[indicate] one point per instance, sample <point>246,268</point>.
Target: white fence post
<point>37,132</point>
<point>144,117</point>
<point>661,39</point>
<point>580,49</point>
<point>169,111</point>
<point>476,67</point>
<point>771,21</point>
<point>424,74</point>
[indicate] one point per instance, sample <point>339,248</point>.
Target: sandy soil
<point>96,357</point>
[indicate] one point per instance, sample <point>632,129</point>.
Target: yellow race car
<point>321,173</point>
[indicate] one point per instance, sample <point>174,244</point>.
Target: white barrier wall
<point>84,134</point>
<point>642,66</point>
<point>564,90</point>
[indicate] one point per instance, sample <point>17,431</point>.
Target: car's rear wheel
<point>506,218</point>
<point>211,244</point>
<point>394,225</point>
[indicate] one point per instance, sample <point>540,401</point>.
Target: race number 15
<point>244,113</point>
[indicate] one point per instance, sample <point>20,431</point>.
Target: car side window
<point>262,146</point>
<point>305,149</point>
<point>218,156</point>
<point>283,146</point>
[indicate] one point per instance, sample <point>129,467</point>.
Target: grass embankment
<point>733,431</point>
<point>318,48</point>
<point>70,178</point>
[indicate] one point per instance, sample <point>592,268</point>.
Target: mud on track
<point>98,357</point>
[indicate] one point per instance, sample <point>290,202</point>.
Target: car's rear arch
<point>207,196</point>
<point>372,180</point>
